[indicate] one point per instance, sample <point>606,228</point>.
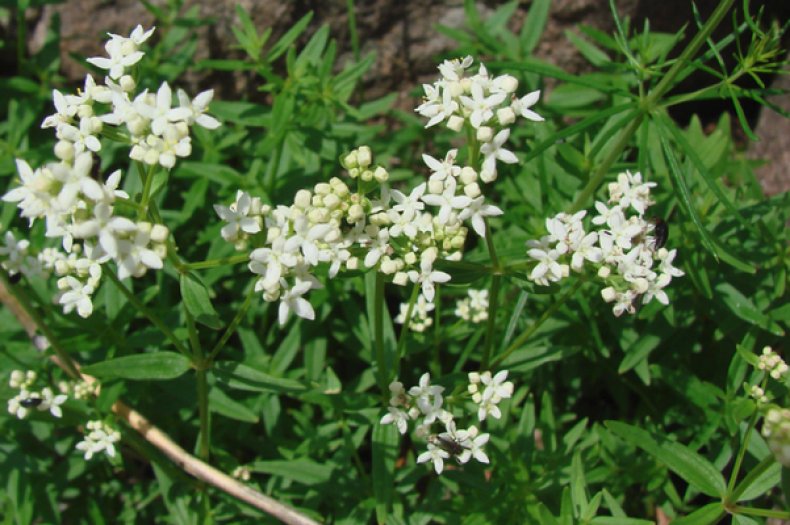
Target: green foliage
<point>612,419</point>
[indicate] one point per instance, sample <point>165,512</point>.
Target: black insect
<point>31,402</point>
<point>660,232</point>
<point>15,278</point>
<point>450,446</point>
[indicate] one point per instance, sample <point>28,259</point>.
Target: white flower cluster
<point>488,391</point>
<point>772,363</point>
<point>776,430</point>
<point>487,103</point>
<point>14,257</point>
<point>374,227</point>
<point>757,393</point>
<point>420,314</point>
<point>70,195</point>
<point>473,308</point>
<point>28,399</point>
<point>624,249</point>
<point>80,389</point>
<point>100,437</point>
<point>424,404</point>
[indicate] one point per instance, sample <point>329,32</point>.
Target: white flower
<point>547,269</point>
<point>436,455</point>
<point>237,217</point>
<point>447,201</point>
<point>76,295</point>
<point>522,106</point>
<point>198,107</point>
<point>52,402</point>
<point>473,446</point>
<point>65,109</point>
<point>159,112</point>
<point>100,437</point>
<point>477,211</point>
<point>428,277</point>
<point>481,106</point>
<point>441,170</point>
<point>397,416</point>
<point>292,300</point>
<point>493,151</point>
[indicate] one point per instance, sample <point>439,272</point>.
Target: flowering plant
<point>487,311</point>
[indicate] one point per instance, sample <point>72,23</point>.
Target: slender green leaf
<point>220,403</point>
<point>197,301</point>
<point>385,450</point>
<point>533,26</point>
<point>707,515</point>
<point>302,470</point>
<point>742,307</point>
<point>243,377</point>
<point>153,366</point>
<point>683,461</point>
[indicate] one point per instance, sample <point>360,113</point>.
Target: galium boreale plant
<point>420,232</point>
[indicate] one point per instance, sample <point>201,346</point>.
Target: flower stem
<point>146,312</point>
<point>24,300</point>
<point>742,451</point>
<point>415,292</point>
<point>234,324</point>
<point>526,334</point>
<point>201,365</point>
<point>493,297</point>
<point>215,263</point>
<point>146,196</point>
<point>378,330</point>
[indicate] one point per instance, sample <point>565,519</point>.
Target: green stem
<point>20,40</point>
<point>750,477</point>
<point>622,141</point>
<point>24,300</point>
<point>493,298</point>
<point>378,330</point>
<point>146,312</point>
<point>215,263</point>
<point>415,292</point>
<point>201,365</point>
<point>765,513</point>
<point>526,334</point>
<point>146,197</point>
<point>744,445</point>
<point>352,29</point>
<point>234,324</point>
<point>205,418</point>
<point>685,57</point>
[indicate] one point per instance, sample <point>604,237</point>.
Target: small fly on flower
<point>31,402</point>
<point>450,446</point>
<point>660,232</point>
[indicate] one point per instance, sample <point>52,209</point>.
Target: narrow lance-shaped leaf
<point>153,366</point>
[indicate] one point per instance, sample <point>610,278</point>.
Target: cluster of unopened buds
<point>627,249</point>
<point>424,404</point>
<point>77,203</point>
<point>28,399</point>
<point>772,363</point>
<point>99,437</point>
<point>80,389</point>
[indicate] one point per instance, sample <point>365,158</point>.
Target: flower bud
<point>485,134</point>
<point>355,213</point>
<point>366,175</point>
<point>435,187</point>
<point>410,258</point>
<point>159,233</point>
<point>506,116</point>
<point>609,294</point>
<point>468,175</point>
<point>472,190</point>
<point>364,156</point>
<point>331,201</point>
<point>350,161</point>
<point>127,83</point>
<point>352,263</point>
<point>508,83</point>
<point>400,279</point>
<point>604,272</point>
<point>302,199</point>
<point>64,150</point>
<point>380,174</point>
<point>455,123</point>
<point>388,266</point>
